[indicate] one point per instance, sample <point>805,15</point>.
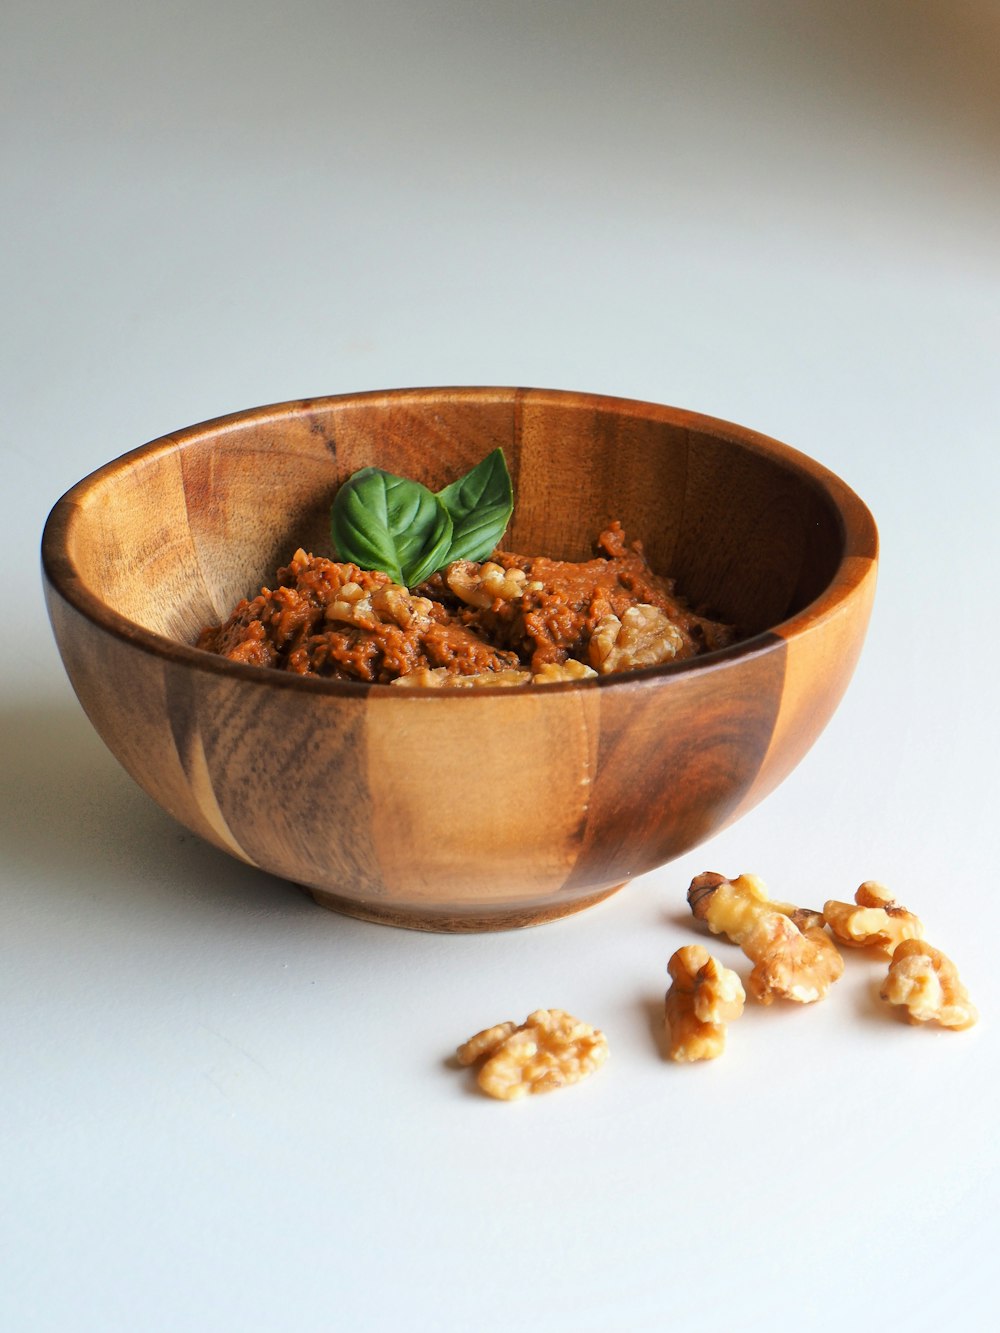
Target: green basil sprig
<point>381,521</point>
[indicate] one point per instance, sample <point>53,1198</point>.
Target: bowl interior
<point>171,536</point>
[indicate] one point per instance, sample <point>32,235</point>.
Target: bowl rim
<point>857,528</point>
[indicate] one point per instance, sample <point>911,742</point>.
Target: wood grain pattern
<point>473,810</point>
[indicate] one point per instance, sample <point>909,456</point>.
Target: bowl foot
<point>444,922</point>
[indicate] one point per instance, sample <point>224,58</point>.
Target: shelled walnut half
<point>551,1049</point>
<point>925,983</point>
<point>703,997</point>
<point>874,920</point>
<point>793,956</point>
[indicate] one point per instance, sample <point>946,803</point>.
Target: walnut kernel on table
<point>790,964</point>
<point>793,956</point>
<point>925,983</point>
<point>704,996</point>
<point>550,1049</point>
<point>732,907</point>
<point>874,920</point>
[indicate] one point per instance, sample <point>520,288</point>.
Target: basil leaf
<point>381,521</point>
<point>480,505</point>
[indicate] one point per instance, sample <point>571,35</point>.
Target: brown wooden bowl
<point>459,810</point>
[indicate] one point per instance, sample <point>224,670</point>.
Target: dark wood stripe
<point>672,764</point>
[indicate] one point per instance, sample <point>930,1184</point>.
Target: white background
<point>226,1109</point>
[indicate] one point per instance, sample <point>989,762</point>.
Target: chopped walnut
<point>552,672</point>
<point>503,583</point>
<point>644,636</point>
<point>397,605</point>
<point>352,605</point>
<point>926,984</point>
<point>873,920</point>
<point>441,678</point>
<point>790,964</point>
<point>732,907</point>
<point>550,1049</point>
<point>482,585</point>
<point>703,998</point>
<point>391,604</point>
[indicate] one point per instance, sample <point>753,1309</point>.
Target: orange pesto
<point>512,619</point>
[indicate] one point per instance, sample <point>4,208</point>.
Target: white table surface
<point>226,1109</point>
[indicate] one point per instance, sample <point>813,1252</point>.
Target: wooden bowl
<point>459,810</point>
